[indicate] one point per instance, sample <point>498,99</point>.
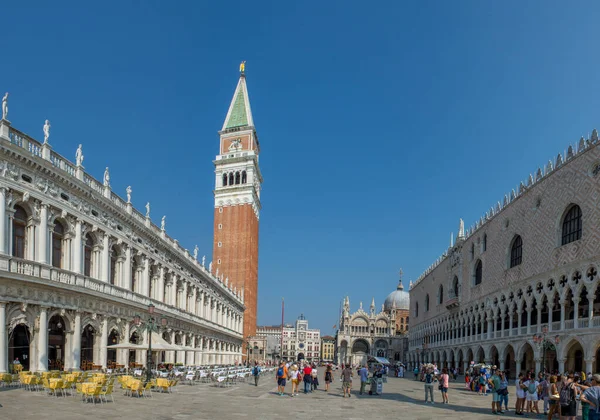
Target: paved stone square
<point>402,398</point>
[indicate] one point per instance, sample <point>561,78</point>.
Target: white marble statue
<point>5,106</point>
<point>217,273</point>
<point>226,281</point>
<point>203,260</point>
<point>106,178</point>
<point>79,156</point>
<point>461,229</point>
<point>163,221</point>
<point>128,191</point>
<point>210,267</point>
<point>148,209</point>
<point>46,131</point>
<point>196,252</point>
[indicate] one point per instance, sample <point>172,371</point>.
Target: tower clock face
<point>301,345</point>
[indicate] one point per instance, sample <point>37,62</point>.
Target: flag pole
<point>281,343</point>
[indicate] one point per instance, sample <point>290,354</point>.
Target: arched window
<point>484,244</point>
<point>87,256</point>
<point>416,309</point>
<point>455,286</point>
<point>57,244</point>
<point>441,294</point>
<point>19,227</point>
<point>237,178</point>
<point>426,302</point>
<point>472,251</point>
<point>478,272</point>
<point>571,226</point>
<point>516,251</point>
<point>231,178</point>
<point>244,177</point>
<point>224,180</point>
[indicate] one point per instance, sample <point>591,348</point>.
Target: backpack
<point>280,372</point>
<point>531,388</point>
<point>428,378</point>
<point>566,395</point>
<point>255,371</point>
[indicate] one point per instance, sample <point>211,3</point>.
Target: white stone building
<point>529,266</point>
<point>78,262</point>
<point>382,334</point>
<point>300,342</point>
<point>272,334</point>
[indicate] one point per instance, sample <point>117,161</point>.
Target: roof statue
<point>128,191</point>
<point>106,178</point>
<point>461,230</point>
<point>79,156</point>
<point>163,222</point>
<point>242,67</point>
<point>46,131</point>
<point>196,249</point>
<point>148,209</point>
<point>360,308</point>
<point>203,260</point>
<point>5,106</point>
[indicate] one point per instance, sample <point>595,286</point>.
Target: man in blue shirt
<point>256,373</point>
<point>592,396</point>
<point>364,376</point>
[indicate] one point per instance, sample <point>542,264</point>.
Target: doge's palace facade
<point>78,262</point>
<point>520,288</point>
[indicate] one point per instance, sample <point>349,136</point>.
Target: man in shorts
<point>495,383</point>
<point>347,381</point>
<point>281,377</point>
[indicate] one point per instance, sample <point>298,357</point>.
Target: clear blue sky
<point>381,123</point>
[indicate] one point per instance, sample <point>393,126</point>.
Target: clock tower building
<point>237,203</point>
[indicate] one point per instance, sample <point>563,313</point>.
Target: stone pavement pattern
<point>402,399</point>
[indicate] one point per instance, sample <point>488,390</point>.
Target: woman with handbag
<point>444,378</point>
<point>553,398</point>
<point>503,391</point>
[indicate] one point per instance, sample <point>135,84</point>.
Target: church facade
<point>378,334</point>
<point>78,262</point>
<point>520,288</point>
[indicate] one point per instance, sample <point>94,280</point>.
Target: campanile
<point>237,202</point>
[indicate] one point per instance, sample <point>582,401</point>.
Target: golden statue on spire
<point>242,67</point>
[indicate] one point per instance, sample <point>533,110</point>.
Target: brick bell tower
<point>237,202</point>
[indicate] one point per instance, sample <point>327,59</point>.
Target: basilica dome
<point>398,299</point>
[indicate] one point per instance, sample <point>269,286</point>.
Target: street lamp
<point>543,343</point>
<point>151,325</point>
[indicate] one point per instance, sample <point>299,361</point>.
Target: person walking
<point>503,391</point>
<point>315,377</point>
<point>347,381</point>
<point>544,393</point>
<point>256,373</point>
<point>281,377</point>
<point>444,384</point>
<point>429,385</point>
<point>364,378</point>
<point>554,397</point>
<point>307,378</point>
<point>532,389</point>
<point>416,372</point>
<point>295,378</point>
<point>328,377</point>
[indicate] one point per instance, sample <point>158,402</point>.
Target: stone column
<point>105,260</point>
<point>576,313</point>
<point>589,362</point>
<point>43,340</point>
<point>502,365</point>
<point>160,292</point>
<point>3,224</point>
<point>561,365</point>
<point>539,320</point>
<point>77,248</point>
<point>538,364</point>
<point>77,342</point>
<point>126,280</point>
<point>465,367</point>
<point>146,277</point>
<point>184,301</point>
<point>490,330</point>
<point>562,317</point>
<point>550,318</point>
<point>123,354</point>
<point>3,336</point>
<point>510,323</point>
<point>43,241</point>
<point>591,297</point>
<point>104,343</point>
<point>529,319</point>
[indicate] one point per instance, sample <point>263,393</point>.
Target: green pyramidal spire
<point>239,114</point>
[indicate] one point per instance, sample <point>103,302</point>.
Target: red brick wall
<point>239,255</point>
